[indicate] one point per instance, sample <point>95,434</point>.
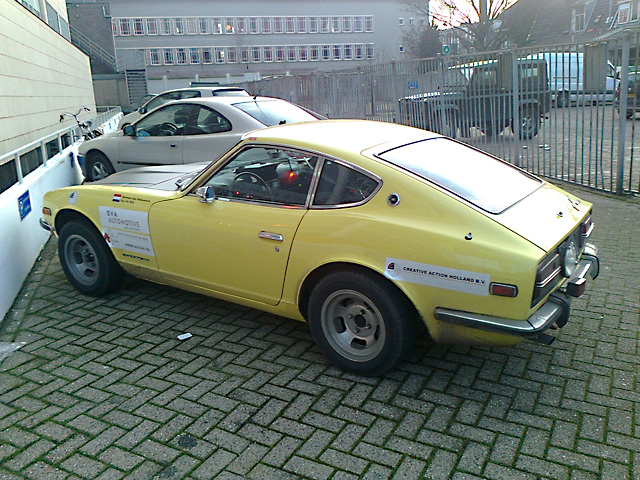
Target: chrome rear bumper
<point>555,311</point>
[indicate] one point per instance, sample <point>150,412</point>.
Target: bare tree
<point>475,21</point>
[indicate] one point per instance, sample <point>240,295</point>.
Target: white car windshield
<point>275,112</point>
<point>483,180</point>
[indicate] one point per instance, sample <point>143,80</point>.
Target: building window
<point>336,25</point>
<point>8,175</point>
<point>358,24</point>
<point>232,55</point>
<point>52,17</point>
<point>256,55</point>
<point>279,53</point>
<point>278,26</point>
<point>359,51</point>
<point>266,25</point>
<point>178,26</point>
<point>303,53</point>
<point>218,53</point>
<point>267,54</point>
<point>114,27</point>
<point>30,161</point>
<point>125,26</point>
<point>302,25</point>
<point>325,25</point>
<point>314,53</point>
<point>64,29</point>
<point>337,52</point>
<point>203,26</point>
<point>230,25</point>
<point>168,56</point>
<point>154,56</point>
<point>577,22</point>
<point>368,24</point>
<point>194,56</point>
<point>370,55</point>
<point>207,58</point>
<point>412,22</point>
<point>217,26</point>
<point>347,52</point>
<point>242,25</point>
<point>401,22</point>
<point>138,26</point>
<point>290,25</point>
<point>326,52</point>
<point>254,25</point>
<point>181,56</point>
<point>292,54</point>
<point>152,26</point>
<point>401,48</point>
<point>165,26</point>
<point>192,26</point>
<point>313,24</point>
<point>347,25</point>
<point>244,54</point>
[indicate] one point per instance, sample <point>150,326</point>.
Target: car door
<point>158,138</point>
<point>209,135</point>
<point>239,244</point>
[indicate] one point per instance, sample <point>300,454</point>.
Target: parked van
<point>573,83</point>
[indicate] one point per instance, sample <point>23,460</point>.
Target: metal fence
<point>551,110</point>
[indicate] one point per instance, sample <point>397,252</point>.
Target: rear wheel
<point>98,166</point>
<point>562,100</point>
<point>362,325</point>
<point>529,123</point>
<point>86,259</point>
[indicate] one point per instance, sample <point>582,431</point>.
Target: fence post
<point>622,125</point>
<point>396,91</point>
<point>515,105</point>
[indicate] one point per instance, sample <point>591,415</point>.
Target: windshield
<point>275,112</point>
<point>486,182</point>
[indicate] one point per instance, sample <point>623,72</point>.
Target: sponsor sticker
<point>73,198</point>
<point>123,219</point>
<point>474,283</point>
<point>131,242</point>
<point>116,197</point>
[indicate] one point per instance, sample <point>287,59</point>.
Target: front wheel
<point>98,167</point>
<point>87,261</point>
<point>363,325</point>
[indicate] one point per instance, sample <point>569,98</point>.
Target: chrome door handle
<point>271,236</point>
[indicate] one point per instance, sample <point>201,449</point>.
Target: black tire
<point>98,166</point>
<point>529,123</point>
<point>562,100</point>
<point>362,325</point>
<point>87,261</point>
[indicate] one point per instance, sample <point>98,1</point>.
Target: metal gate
<point>555,111</point>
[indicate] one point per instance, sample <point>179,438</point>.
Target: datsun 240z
<point>356,227</point>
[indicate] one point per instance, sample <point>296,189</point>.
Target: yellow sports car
<point>356,227</point>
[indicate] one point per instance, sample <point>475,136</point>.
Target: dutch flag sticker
<point>116,197</point>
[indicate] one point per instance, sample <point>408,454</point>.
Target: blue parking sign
<point>24,205</point>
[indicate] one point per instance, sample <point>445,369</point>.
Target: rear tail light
<point>547,276</point>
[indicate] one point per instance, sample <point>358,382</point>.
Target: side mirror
<point>207,194</point>
<point>129,131</point>
<point>142,110</point>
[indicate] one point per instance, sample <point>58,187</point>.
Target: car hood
<point>161,178</point>
<point>545,217</point>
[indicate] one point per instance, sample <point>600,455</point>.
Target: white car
<point>180,94</point>
<point>185,131</point>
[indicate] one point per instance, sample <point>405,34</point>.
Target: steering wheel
<point>167,128</point>
<point>254,180</point>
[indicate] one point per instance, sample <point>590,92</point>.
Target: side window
<point>161,100</point>
<point>340,185</point>
<point>210,121</point>
<point>266,174</point>
<point>168,121</point>
<point>188,94</point>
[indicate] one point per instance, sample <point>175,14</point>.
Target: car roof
<point>223,100</point>
<point>207,90</point>
<point>335,136</point>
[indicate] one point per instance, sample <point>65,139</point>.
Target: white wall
<point>41,76</point>
<point>22,240</point>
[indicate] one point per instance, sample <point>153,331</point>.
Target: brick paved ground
<point>102,389</point>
